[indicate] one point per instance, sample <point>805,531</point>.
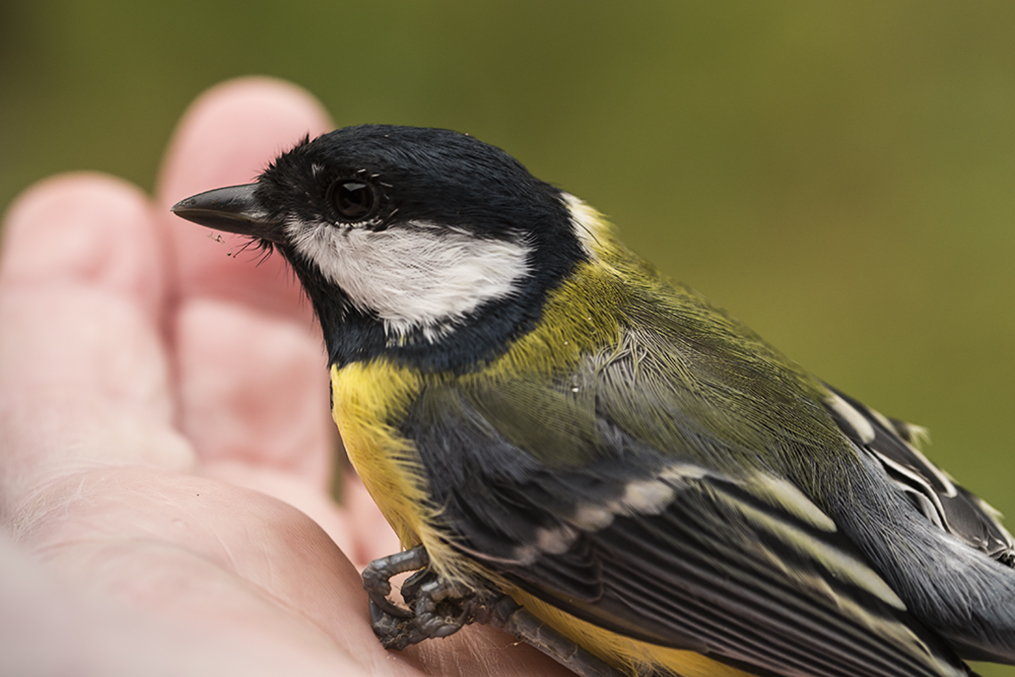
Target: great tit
<point>547,422</point>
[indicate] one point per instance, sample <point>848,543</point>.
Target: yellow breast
<point>366,399</point>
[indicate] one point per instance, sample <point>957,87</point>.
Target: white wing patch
<point>864,430</point>
<point>414,276</point>
<point>782,492</point>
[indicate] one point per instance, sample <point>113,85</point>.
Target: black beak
<point>231,209</point>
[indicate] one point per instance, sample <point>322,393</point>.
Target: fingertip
<point>233,130</point>
<point>83,228</point>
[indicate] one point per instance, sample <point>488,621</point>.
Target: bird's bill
<point>233,210</point>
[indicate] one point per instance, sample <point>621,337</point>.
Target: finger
<point>85,230</point>
<point>253,391</point>
<point>83,372</point>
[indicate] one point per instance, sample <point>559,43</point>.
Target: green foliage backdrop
<point>839,175</point>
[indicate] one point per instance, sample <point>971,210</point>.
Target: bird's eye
<point>354,200</point>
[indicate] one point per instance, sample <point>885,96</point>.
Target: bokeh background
<point>839,175</point>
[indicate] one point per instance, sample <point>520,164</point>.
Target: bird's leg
<point>437,608</point>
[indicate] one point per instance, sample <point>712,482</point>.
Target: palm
<point>157,399</point>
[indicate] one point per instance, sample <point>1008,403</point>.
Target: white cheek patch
<point>415,275</point>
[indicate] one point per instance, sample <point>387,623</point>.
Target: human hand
<point>165,444</point>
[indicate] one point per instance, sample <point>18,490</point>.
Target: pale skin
<point>166,448</point>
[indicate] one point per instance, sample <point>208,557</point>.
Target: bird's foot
<point>434,607</point>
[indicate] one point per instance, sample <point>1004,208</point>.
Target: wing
<point>621,495</point>
<point>941,548</point>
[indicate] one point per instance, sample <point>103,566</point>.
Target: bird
<point>549,423</point>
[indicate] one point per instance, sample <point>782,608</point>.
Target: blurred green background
<point>841,176</point>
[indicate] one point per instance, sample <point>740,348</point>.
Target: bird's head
<point>426,245</point>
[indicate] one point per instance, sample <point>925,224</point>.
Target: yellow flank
<point>366,397</point>
<point>629,655</point>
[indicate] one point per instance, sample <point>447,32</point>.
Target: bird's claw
<point>433,606</point>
